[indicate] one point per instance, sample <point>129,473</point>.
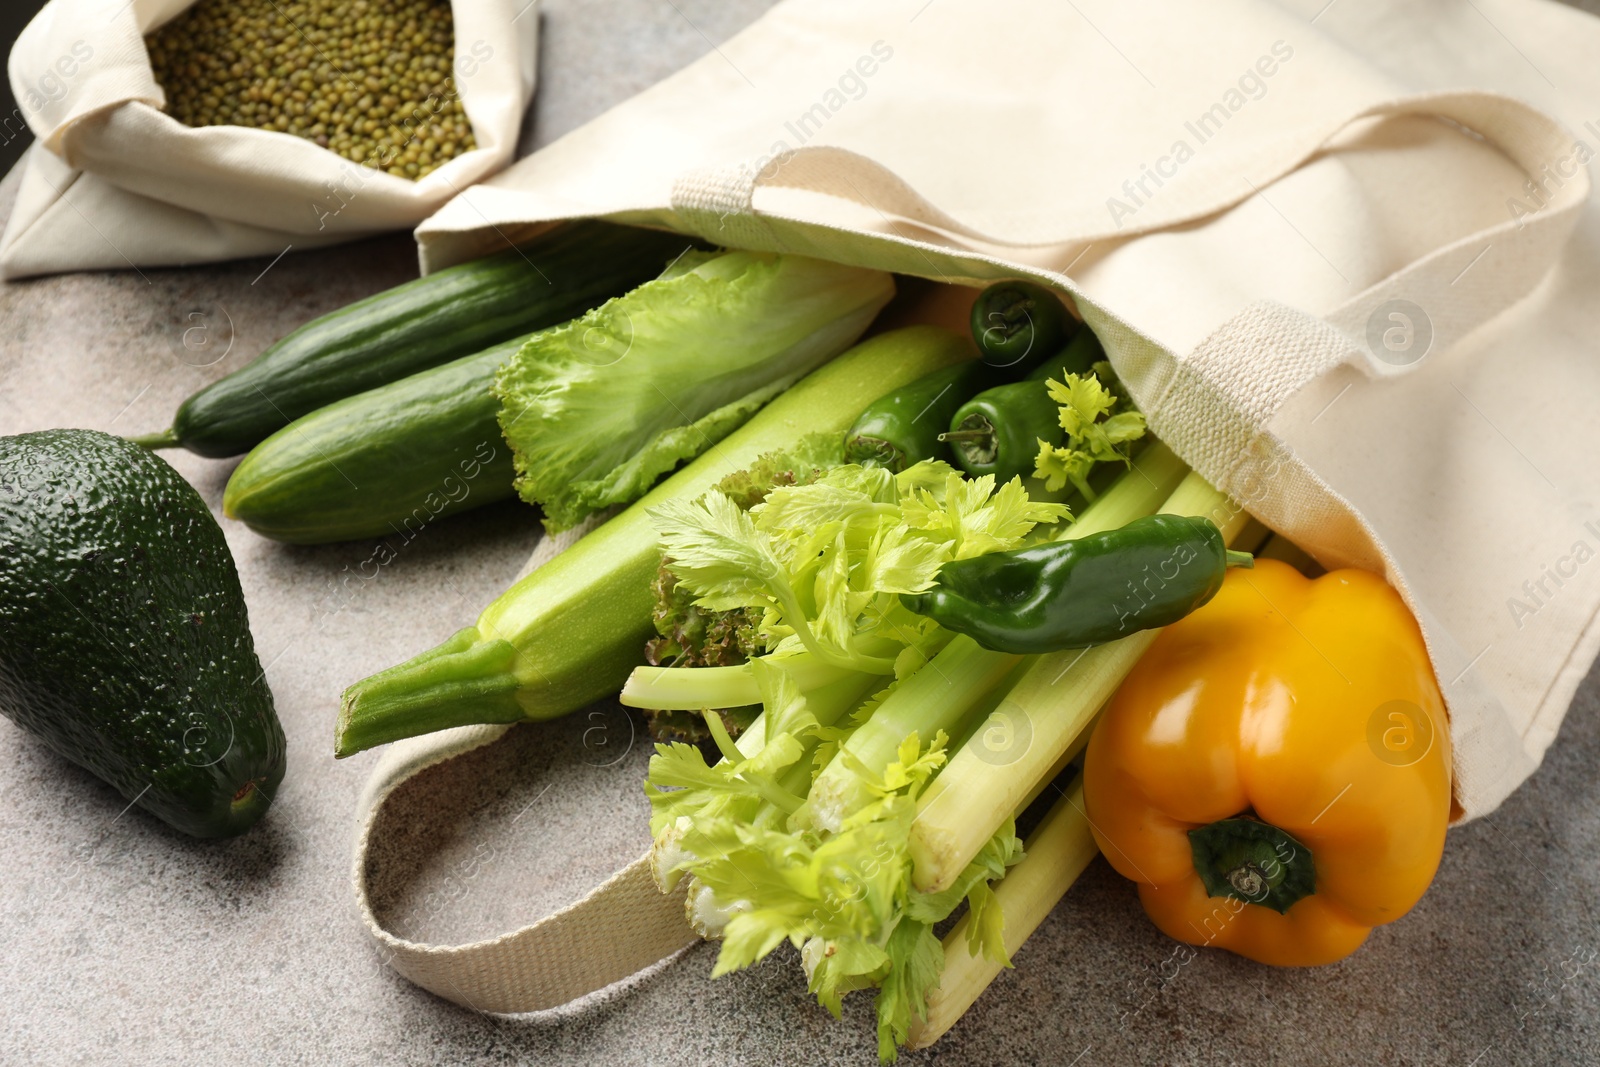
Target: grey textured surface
<point>124,943</point>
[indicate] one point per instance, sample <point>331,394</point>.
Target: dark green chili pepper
<point>1078,357</point>
<point>1014,320</point>
<point>903,426</point>
<point>998,431</point>
<point>1082,592</point>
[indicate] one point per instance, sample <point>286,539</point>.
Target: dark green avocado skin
<point>124,641</point>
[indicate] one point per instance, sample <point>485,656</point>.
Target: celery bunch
<point>803,833</point>
<point>811,829</point>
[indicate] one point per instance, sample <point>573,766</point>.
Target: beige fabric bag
<point>1337,295</point>
<point>114,182</point>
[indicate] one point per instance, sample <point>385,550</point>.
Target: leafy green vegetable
<point>778,849</point>
<point>810,458</point>
<point>1101,425</point>
<point>691,636</point>
<point>689,727</point>
<point>827,561</point>
<point>597,410</point>
<point>844,899</point>
<point>916,959</point>
<point>688,796</point>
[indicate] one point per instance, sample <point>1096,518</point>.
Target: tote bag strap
<point>1213,405</point>
<point>1211,415</point>
<point>718,203</point>
<point>620,927</point>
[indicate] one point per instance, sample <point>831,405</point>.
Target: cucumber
<point>124,640</point>
<point>444,316</point>
<point>569,633</point>
<point>390,460</point>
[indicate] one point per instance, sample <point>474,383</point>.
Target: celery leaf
<point>718,553</point>
<point>916,959</point>
<point>1100,423</point>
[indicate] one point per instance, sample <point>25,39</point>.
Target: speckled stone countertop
<point>124,943</point>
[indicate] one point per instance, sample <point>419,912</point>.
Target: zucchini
<point>412,327</point>
<point>569,633</point>
<point>390,460</point>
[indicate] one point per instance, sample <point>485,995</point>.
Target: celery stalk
<point>1059,850</point>
<point>1055,701</point>
<point>1056,854</point>
<point>940,695</point>
<point>693,688</point>
<point>931,702</point>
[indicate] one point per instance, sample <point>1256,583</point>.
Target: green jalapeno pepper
<point>1083,592</point>
<point>998,431</point>
<point>903,426</point>
<point>1014,320</point>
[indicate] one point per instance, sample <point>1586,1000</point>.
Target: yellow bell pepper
<point>1275,772</point>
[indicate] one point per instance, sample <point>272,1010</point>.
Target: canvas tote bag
<point>114,182</point>
<point>1315,280</point>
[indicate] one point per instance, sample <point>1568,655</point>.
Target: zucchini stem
<point>466,681</point>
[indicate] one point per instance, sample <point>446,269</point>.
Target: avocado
<point>124,640</point>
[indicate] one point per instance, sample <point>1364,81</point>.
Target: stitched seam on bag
<point>718,205</point>
<point>1223,396</point>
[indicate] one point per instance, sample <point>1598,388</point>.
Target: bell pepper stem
<point>1241,559</point>
<point>1253,861</point>
<point>966,435</point>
